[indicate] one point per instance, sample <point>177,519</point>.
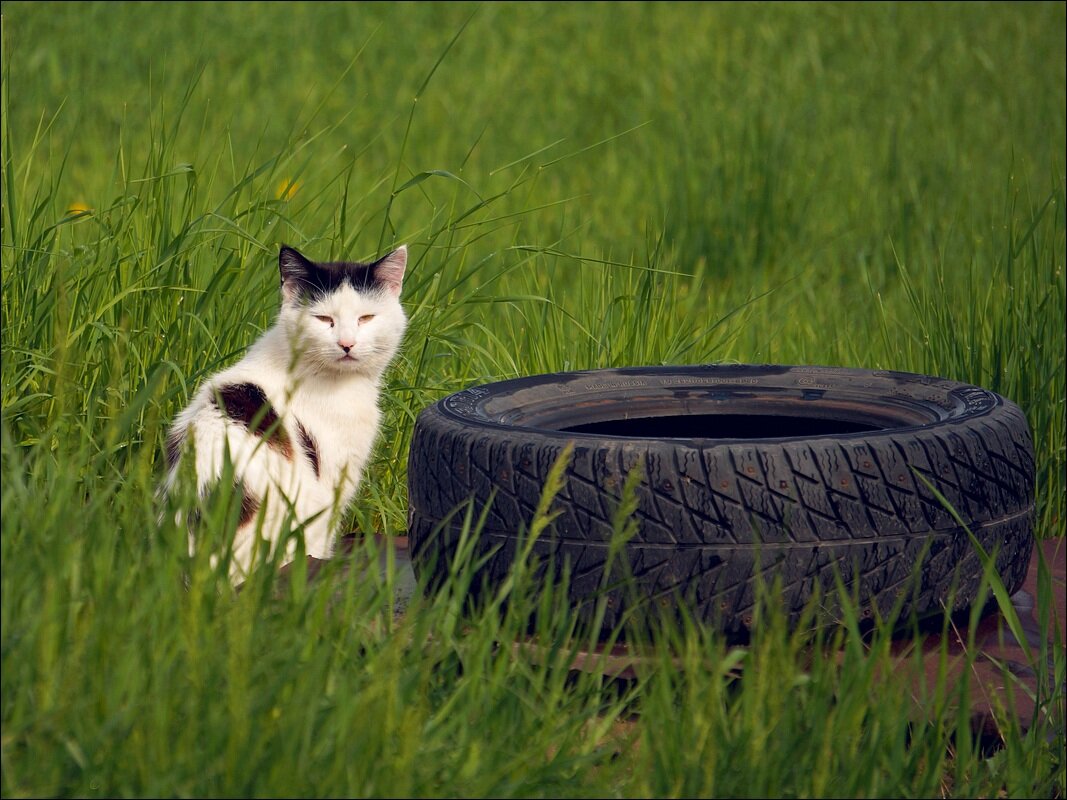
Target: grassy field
<point>580,186</point>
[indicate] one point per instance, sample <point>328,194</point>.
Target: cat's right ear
<point>295,273</point>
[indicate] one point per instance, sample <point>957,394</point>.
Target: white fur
<point>298,363</point>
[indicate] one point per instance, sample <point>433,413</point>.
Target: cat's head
<point>343,317</point>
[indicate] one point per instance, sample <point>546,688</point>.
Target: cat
<point>298,414</point>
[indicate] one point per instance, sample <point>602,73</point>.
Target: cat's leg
<point>319,536</point>
<point>226,450</point>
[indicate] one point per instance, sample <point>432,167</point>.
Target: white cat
<point>299,413</point>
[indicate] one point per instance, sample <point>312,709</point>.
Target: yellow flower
<point>286,189</point>
<point>78,209</point>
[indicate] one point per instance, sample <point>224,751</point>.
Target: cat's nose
<point>346,346</point>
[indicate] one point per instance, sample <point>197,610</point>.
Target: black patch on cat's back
<point>311,450</point>
<point>246,403</point>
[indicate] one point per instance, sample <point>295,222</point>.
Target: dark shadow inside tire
<point>721,426</point>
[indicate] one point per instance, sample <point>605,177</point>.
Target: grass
<point>581,186</point>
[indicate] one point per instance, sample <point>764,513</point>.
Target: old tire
<point>796,473</point>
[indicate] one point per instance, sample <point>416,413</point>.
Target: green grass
<point>581,186</point>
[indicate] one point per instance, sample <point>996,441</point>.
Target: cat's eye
<point>323,318</point>
<point>366,318</point>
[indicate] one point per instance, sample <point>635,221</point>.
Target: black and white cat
<point>298,414</point>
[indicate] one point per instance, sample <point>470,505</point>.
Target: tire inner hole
<point>721,426</point>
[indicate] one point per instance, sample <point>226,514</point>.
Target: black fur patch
<point>316,280</point>
<point>175,445</point>
<point>246,403</point>
<point>249,505</point>
<point>311,450</point>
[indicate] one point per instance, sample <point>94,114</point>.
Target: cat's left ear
<point>389,271</point>
<point>295,272</point>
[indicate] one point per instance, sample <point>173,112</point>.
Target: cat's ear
<point>295,272</point>
<point>389,271</point>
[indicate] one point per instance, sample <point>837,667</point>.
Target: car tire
<point>814,477</point>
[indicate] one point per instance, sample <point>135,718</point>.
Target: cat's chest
<point>340,427</point>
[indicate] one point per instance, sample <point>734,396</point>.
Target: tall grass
<point>581,187</point>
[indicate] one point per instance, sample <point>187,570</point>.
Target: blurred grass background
<point>581,186</point>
